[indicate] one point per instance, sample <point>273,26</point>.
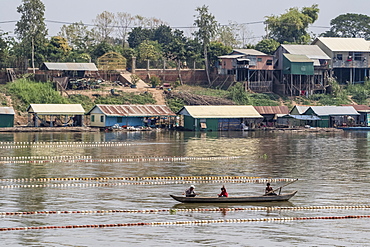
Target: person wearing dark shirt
<point>269,191</point>
<point>190,192</point>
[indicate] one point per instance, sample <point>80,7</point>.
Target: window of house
<point>92,118</point>
<point>119,119</point>
<point>259,59</point>
<point>357,56</point>
<point>102,119</point>
<point>340,56</point>
<point>269,62</point>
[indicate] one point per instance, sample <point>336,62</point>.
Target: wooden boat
<point>200,199</point>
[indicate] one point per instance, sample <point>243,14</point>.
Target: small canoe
<point>232,199</point>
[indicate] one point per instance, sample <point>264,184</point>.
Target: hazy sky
<point>181,13</point>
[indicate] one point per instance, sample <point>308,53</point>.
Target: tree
<point>217,49</point>
<point>207,29</point>
<point>104,26</point>
<point>77,35</point>
<point>149,50</point>
<point>350,26</point>
<point>163,34</point>
<point>267,46</point>
<point>138,35</point>
<point>124,21</point>
<point>31,30</point>
<point>58,49</point>
<point>228,35</point>
<point>291,27</point>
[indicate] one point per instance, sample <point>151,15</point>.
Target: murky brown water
<point>332,168</point>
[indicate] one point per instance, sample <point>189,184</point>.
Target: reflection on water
<point>333,169</point>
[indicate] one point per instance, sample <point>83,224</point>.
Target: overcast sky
<point>181,13</point>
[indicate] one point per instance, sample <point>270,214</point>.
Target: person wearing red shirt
<point>223,192</point>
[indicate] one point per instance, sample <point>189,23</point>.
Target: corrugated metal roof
<point>272,109</point>
<point>136,110</point>
<point>311,51</point>
<point>345,44</point>
<point>231,56</point>
<point>334,110</point>
<point>301,108</point>
<point>360,108</point>
<point>7,110</point>
<point>250,52</point>
<point>220,111</point>
<point>69,66</point>
<point>304,117</point>
<point>297,58</point>
<point>56,109</point>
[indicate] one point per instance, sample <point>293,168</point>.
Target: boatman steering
<point>269,191</point>
<point>190,192</point>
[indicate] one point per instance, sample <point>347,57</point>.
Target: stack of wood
<point>194,99</point>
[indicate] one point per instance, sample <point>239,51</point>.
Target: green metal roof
<point>295,58</point>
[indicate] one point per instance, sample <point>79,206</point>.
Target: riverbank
<point>49,129</point>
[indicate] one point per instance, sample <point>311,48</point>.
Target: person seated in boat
<point>269,191</point>
<point>223,192</point>
<point>190,192</point>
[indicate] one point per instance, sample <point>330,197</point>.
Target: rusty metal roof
<point>7,111</point>
<point>135,110</point>
<point>69,66</point>
<point>360,108</point>
<point>272,109</point>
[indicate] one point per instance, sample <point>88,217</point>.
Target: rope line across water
<point>155,211</point>
<point>12,145</point>
<point>190,178</point>
<point>118,159</point>
<point>134,183</point>
<point>196,222</point>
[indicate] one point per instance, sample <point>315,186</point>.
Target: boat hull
<point>199,199</point>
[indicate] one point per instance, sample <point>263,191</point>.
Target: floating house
<point>333,116</point>
<point>131,115</point>
<point>219,117</point>
<point>53,115</point>
<point>364,118</point>
<point>296,117</point>
<point>6,117</point>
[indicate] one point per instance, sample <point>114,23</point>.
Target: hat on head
<point>192,186</point>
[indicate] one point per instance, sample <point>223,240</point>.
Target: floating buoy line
<point>139,183</point>
<point>180,210</point>
<point>8,145</point>
<point>57,159</point>
<point>168,178</point>
<point>180,223</point>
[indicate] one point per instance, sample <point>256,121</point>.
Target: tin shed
<point>333,116</point>
<point>219,117</point>
<point>6,117</point>
<point>51,115</point>
<point>130,115</point>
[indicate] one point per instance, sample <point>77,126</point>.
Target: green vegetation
<point>175,104</point>
<point>25,92</point>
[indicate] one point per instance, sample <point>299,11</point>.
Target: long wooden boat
<point>200,199</point>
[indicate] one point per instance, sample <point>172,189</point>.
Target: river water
<point>332,168</point>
